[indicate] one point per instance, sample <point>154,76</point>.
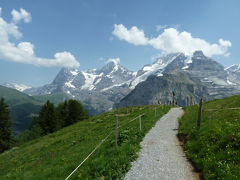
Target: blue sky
<point>84,29</point>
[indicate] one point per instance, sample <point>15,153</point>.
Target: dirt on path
<point>161,156</point>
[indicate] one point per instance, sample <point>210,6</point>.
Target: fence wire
<point>102,141</point>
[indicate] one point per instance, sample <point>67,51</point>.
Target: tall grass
<point>56,155</point>
<point>215,148</point>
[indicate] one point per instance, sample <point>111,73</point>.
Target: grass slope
<point>55,98</point>
<point>215,148</point>
<point>14,97</point>
<point>21,107</point>
<point>56,155</point>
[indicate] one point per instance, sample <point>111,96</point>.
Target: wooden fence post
<point>140,122</point>
<point>190,103</point>
<point>116,131</point>
<point>200,114</point>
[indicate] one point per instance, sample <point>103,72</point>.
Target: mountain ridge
<point>102,88</point>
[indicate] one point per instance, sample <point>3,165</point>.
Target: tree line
<point>49,120</point>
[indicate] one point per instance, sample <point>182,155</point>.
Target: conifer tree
<point>47,118</point>
<point>62,114</point>
<point>76,111</point>
<point>70,112</point>
<point>5,127</point>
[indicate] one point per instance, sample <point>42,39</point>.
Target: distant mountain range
<point>113,85</point>
<point>19,87</point>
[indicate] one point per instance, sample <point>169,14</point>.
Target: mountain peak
<point>113,65</point>
<point>198,53</point>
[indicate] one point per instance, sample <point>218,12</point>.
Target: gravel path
<point>161,156</point>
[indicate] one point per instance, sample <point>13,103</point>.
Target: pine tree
<point>71,112</point>
<point>47,118</point>
<point>5,127</point>
<point>62,114</point>
<point>76,111</point>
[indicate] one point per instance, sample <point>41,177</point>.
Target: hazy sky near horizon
<point>37,38</point>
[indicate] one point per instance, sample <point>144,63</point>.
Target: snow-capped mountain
<point>197,76</point>
<point>156,68</point>
<point>19,87</point>
<point>234,68</point>
<point>101,88</point>
<point>234,74</point>
<point>67,80</point>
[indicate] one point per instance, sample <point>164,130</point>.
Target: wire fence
<point>107,136</point>
<point>201,109</point>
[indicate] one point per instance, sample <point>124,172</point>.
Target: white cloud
<point>23,52</point>
<point>171,41</point>
<point>160,27</point>
<point>134,35</point>
<point>225,43</point>
<point>0,11</point>
<point>17,16</point>
<point>114,60</point>
<point>27,47</point>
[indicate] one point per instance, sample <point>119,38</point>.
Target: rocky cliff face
<point>159,90</point>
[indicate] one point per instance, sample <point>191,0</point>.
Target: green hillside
<point>56,155</point>
<point>22,107</point>
<point>55,98</point>
<point>60,97</point>
<point>14,97</point>
<point>215,148</point>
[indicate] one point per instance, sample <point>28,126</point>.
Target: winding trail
<point>161,156</point>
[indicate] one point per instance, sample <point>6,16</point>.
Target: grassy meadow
<point>215,148</point>
<point>56,155</point>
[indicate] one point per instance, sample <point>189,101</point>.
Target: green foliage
<point>56,155</point>
<point>70,112</point>
<point>5,127</point>
<point>34,132</point>
<point>215,148</point>
<point>47,118</point>
<point>51,119</point>
<point>22,116</point>
<point>21,106</point>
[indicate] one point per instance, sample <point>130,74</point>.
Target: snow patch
<point>98,80</point>
<point>230,83</point>
<point>89,80</point>
<point>155,68</point>
<point>19,87</point>
<point>74,73</point>
<point>233,68</point>
<point>69,84</point>
<point>187,62</point>
<point>115,85</point>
